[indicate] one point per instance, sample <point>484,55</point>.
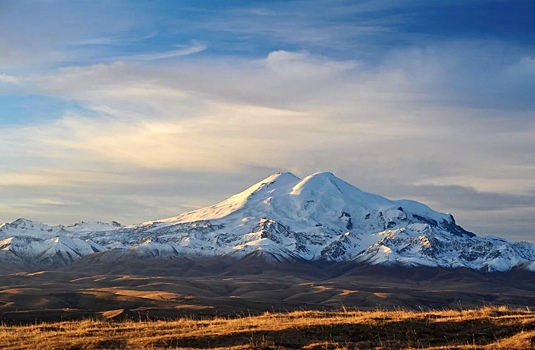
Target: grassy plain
<point>252,305</point>
<point>169,294</point>
<point>482,328</point>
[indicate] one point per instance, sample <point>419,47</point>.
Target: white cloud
<point>303,65</point>
<point>9,79</point>
<point>37,35</point>
<point>164,131</point>
<point>378,127</point>
<point>182,50</point>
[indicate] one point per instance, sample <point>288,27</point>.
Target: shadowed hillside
<point>169,289</point>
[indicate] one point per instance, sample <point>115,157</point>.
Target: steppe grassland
<point>484,328</point>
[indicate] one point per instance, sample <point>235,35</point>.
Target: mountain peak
<point>21,221</point>
<point>281,175</point>
<point>324,174</point>
<point>320,180</point>
<point>276,183</point>
<point>280,178</point>
<point>27,224</point>
<point>320,217</point>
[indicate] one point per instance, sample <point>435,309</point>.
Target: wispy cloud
<point>204,117</point>
<point>182,50</point>
<point>359,89</point>
<point>116,40</point>
<point>9,79</point>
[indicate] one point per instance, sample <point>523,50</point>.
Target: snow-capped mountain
<point>282,217</point>
<point>30,243</point>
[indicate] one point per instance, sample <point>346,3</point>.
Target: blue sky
<point>137,110</point>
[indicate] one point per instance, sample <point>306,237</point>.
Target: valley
<point>163,289</point>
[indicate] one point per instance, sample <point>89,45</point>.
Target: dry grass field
<point>237,305</point>
<point>483,328</point>
<point>167,293</point>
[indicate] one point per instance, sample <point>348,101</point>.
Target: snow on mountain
<point>55,251</point>
<point>247,200</point>
<point>25,227</point>
<point>320,217</point>
<point>93,226</point>
<point>34,243</point>
<point>428,247</point>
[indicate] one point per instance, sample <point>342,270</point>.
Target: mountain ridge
<point>282,217</point>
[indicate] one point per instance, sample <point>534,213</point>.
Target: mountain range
<point>280,219</point>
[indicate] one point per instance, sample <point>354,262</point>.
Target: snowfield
<point>283,217</point>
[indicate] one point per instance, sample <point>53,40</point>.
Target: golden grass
<point>156,294</point>
<point>484,328</point>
